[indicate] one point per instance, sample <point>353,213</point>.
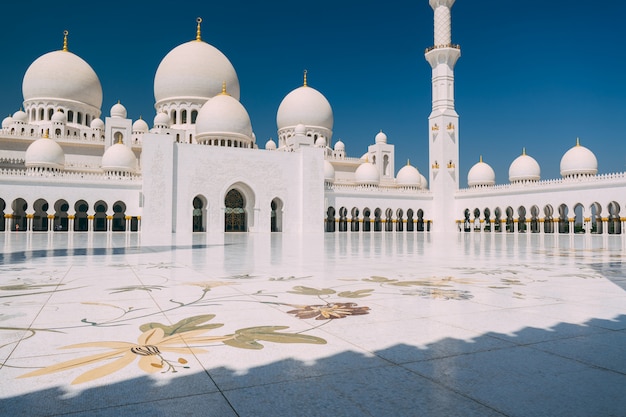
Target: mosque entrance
<point>234,213</point>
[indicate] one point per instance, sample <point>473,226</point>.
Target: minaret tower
<point>443,123</point>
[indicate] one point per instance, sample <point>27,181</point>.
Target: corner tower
<point>443,122</point>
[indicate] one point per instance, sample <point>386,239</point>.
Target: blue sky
<point>532,74</point>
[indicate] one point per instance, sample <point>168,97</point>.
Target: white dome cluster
<point>524,168</point>
<point>578,161</point>
<point>45,153</point>
<point>224,117</point>
<point>194,70</point>
<point>409,176</point>
<point>118,111</point>
<point>481,174</point>
<point>367,174</point>
<point>61,75</point>
<point>119,158</point>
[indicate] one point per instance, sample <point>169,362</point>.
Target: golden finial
<point>523,151</point>
<point>479,160</point>
<point>577,141</point>
<point>305,71</point>
<point>65,33</point>
<point>224,92</point>
<point>408,162</point>
<point>46,133</point>
<point>198,34</point>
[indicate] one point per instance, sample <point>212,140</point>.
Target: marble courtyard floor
<point>376,324</point>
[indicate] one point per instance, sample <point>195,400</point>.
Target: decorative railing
<point>375,188</point>
<point>49,174</point>
<point>575,179</point>
<point>449,45</point>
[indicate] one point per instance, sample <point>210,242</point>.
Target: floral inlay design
<point>185,337</point>
<point>329,311</point>
<point>170,348</point>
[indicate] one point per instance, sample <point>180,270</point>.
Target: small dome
<point>194,70</point>
<point>162,120</point>
<point>481,174</point>
<point>578,161</point>
<point>61,75</point>
<point>320,142</point>
<point>119,158</point>
<point>340,146</point>
<point>6,122</point>
<point>20,116</point>
<point>381,137</point>
<point>44,153</point>
<point>304,105</point>
<point>118,111</point>
<point>140,126</point>
<point>97,123</point>
<point>223,114</point>
<point>59,117</point>
<point>270,145</point>
<point>408,176</point>
<point>300,130</point>
<point>329,171</point>
<point>367,174</point>
<point>524,168</point>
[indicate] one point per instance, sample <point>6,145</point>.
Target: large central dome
<point>194,70</point>
<point>62,75</point>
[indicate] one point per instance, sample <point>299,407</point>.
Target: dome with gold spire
<point>64,77</point>
<point>194,71</point>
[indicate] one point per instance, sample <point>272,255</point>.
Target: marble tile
<point>349,324</point>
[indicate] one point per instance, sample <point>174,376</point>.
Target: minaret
<point>443,123</point>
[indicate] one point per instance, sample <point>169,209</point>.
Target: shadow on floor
<point>569,370</point>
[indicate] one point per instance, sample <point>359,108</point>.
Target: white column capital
<point>438,3</point>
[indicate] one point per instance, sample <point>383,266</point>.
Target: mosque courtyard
<point>342,324</point>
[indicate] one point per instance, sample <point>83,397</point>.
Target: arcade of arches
<point>375,220</point>
<point>61,216</point>
<point>235,213</point>
<point>592,219</point>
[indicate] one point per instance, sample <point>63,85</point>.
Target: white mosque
<point>64,168</point>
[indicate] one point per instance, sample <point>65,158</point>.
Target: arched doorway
<point>100,217</point>
<point>18,216</point>
<point>354,221</point>
<point>60,215</point>
<point>40,217</point>
<point>119,217</point>
<point>276,215</point>
<point>81,221</point>
<point>330,219</point>
<point>235,213</point>
<point>199,214</point>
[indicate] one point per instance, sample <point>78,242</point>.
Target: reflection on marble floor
<point>88,312</point>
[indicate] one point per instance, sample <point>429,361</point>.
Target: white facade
<point>200,169</point>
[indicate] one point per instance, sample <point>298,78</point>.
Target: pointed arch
<point>354,219</point>
<point>614,221</point>
<point>81,221</point>
<point>40,217</point>
<point>199,213</point>
<point>119,217</point>
<point>563,219</point>
<point>18,217</point>
<point>61,216</point>
<point>330,219</point>
<point>235,219</point>
<point>276,221</point>
<point>100,216</point>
